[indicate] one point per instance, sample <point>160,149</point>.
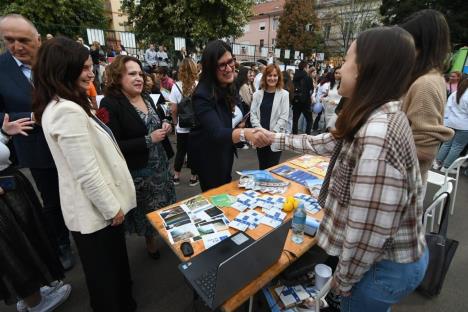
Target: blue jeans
<point>386,283</point>
<point>449,151</point>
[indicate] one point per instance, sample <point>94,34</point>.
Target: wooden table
<point>291,251</point>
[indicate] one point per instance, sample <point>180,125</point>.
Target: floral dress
<point>153,184</point>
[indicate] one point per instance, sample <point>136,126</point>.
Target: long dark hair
<point>213,52</point>
<point>242,77</point>
<point>379,52</point>
<point>431,36</point>
<point>59,63</point>
<point>461,88</point>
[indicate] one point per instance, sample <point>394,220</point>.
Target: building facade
<point>340,22</point>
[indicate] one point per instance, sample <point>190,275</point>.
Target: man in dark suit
<point>22,42</point>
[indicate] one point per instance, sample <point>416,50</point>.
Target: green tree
<point>299,28</point>
<point>196,20</point>
<point>455,11</point>
<point>69,18</point>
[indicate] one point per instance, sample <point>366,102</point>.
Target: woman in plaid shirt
<point>372,192</point>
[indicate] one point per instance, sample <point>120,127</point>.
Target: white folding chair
<point>432,209</point>
<point>442,180</point>
<point>322,293</point>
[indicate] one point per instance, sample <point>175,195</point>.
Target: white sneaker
<point>451,171</point>
<point>52,300</point>
<point>436,165</point>
<point>45,290</point>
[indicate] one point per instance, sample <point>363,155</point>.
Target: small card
<point>273,218</point>
<point>212,239</point>
<point>222,200</point>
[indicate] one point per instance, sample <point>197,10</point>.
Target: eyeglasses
<point>223,66</point>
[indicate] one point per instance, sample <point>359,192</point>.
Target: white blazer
<point>94,180</point>
<point>279,112</point>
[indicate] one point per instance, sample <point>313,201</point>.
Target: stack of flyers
<point>246,200</point>
<point>246,220</point>
<point>182,233</point>
<point>314,186</point>
<point>196,203</point>
<point>309,161</point>
<point>174,217</point>
<point>294,174</point>
<point>273,218</point>
<point>214,238</point>
<point>213,226</point>
<point>263,181</point>
<point>310,203</point>
<point>207,214</point>
<point>290,296</point>
<point>271,202</point>
<point>222,200</point>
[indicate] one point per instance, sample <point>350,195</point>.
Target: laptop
<point>219,272</point>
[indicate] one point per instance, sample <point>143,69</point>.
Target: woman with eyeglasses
<point>211,143</point>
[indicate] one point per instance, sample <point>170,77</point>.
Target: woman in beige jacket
<point>96,189</point>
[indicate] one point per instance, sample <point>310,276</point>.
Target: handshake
<point>259,137</point>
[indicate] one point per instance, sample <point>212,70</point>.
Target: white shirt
<point>176,97</point>
<point>257,80</point>
<point>237,116</point>
<point>322,90</point>
<point>456,114</point>
<point>4,152</point>
<point>25,69</point>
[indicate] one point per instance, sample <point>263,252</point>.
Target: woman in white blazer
<point>270,110</point>
<point>96,188</point>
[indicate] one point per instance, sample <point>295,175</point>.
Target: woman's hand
<point>19,126</point>
<point>258,137</point>
<point>167,127</point>
<point>158,135</point>
<point>241,125</point>
<point>118,219</point>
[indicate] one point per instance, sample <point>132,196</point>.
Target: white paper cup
<point>322,274</point>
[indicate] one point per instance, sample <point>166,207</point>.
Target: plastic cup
<point>322,273</point>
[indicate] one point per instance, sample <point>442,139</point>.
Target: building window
<point>326,31</point>
<point>273,42</point>
<point>261,26</point>
<point>262,43</point>
<point>275,23</point>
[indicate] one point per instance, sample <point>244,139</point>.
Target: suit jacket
<point>210,145</point>
<point>279,112</point>
<point>16,100</point>
<point>129,129</point>
<point>94,179</point>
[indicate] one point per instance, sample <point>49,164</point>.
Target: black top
<point>128,128</point>
<point>303,81</point>
<point>265,109</point>
<point>210,145</point>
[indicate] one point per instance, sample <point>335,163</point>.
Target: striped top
<point>373,210</point>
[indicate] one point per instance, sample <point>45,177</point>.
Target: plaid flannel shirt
<point>374,206</point>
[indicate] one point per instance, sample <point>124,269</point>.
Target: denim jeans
<point>449,151</point>
<point>386,283</point>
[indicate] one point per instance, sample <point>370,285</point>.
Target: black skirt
<point>27,257</point>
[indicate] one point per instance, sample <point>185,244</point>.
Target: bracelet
<point>4,133</point>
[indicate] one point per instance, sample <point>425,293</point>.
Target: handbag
<point>441,252</point>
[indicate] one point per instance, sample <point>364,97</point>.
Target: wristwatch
<point>242,136</point>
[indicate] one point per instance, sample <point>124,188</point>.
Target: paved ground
<point>158,286</point>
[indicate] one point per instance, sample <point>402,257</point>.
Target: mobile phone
<point>8,183</point>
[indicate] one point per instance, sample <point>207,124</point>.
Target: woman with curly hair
<point>188,80</point>
<point>140,130</point>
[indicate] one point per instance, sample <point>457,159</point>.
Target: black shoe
<point>155,255</point>
<point>66,257</point>
<point>194,182</point>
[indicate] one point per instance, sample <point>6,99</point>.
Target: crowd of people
<point>385,114</point>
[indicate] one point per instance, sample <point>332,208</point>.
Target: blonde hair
<point>188,75</point>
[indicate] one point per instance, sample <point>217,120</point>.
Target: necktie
<point>326,182</point>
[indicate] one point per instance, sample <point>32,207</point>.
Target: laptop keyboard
<point>207,283</point>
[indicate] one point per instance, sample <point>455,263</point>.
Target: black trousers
<point>182,147</point>
<point>267,158</point>
<point>316,122</point>
<point>104,259</point>
<point>297,111</point>
<point>47,183</point>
